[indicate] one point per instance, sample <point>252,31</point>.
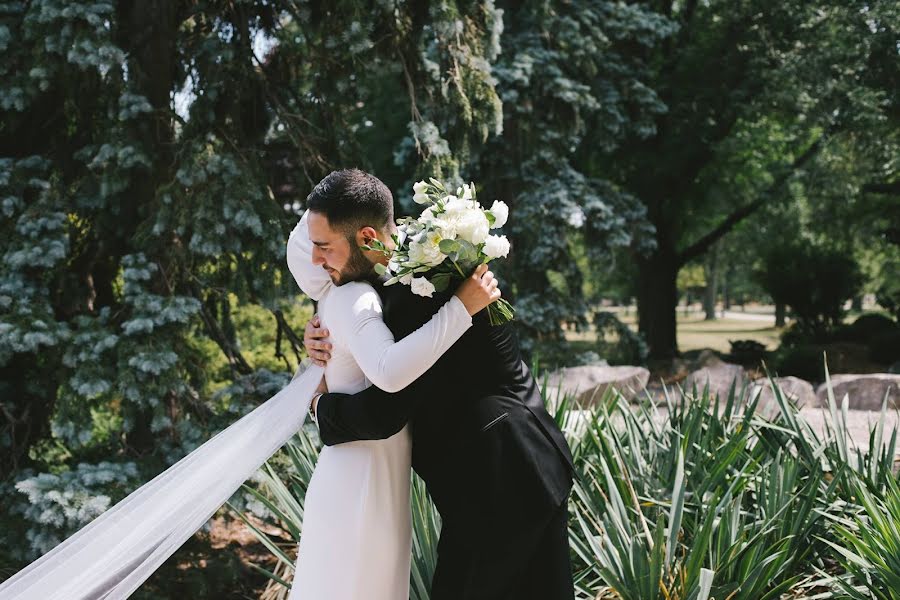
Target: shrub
<point>747,352</point>
<point>617,343</point>
<point>815,282</point>
<point>865,328</point>
<point>888,294</point>
<point>792,335</point>
<point>803,361</point>
<point>884,347</point>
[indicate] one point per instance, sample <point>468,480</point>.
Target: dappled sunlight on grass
<point>694,332</point>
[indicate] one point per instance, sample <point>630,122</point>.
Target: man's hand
<point>478,290</point>
<point>313,338</point>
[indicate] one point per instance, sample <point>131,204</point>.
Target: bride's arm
<point>393,365</point>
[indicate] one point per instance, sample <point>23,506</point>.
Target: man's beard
<point>358,267</point>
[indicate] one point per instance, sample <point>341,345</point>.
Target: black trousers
<point>506,559</point>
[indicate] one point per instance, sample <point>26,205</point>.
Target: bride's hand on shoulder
<point>478,290</point>
<point>317,348</point>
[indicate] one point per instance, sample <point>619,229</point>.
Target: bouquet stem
<point>500,312</point>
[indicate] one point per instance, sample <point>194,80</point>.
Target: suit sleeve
<point>371,414</point>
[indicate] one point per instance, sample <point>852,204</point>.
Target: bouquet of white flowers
<point>447,242</point>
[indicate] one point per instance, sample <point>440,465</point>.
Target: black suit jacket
<point>482,440</point>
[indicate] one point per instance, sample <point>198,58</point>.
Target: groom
<point>497,466</point>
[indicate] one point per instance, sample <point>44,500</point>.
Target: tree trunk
<point>726,287</point>
<point>147,32</point>
<point>657,303</point>
<point>711,269</point>
<point>780,312</point>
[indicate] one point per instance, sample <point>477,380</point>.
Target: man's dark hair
<point>351,199</point>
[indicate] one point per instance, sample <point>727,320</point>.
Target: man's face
<point>340,256</point>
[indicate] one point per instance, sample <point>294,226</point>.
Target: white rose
<point>501,213</point>
<point>496,246</point>
<point>471,225</point>
<point>447,230</point>
<point>422,287</point>
<point>420,187</point>
<point>421,199</point>
<point>427,252</point>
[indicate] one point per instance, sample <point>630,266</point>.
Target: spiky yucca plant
<point>695,499</point>
<point>869,547</point>
<point>702,497</point>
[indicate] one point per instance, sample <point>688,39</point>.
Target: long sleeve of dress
<point>390,365</point>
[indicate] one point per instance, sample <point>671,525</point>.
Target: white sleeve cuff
<point>459,310</point>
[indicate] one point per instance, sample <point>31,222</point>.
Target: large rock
<point>799,390</point>
<point>866,392</point>
<point>588,383</point>
<point>719,375</point>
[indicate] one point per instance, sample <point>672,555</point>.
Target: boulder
<point>799,390</point>
<point>720,376</point>
<point>866,391</point>
<point>588,383</point>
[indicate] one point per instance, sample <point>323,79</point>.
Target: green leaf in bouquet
<point>392,280</point>
<point>375,245</point>
<point>490,217</point>
<point>380,268</point>
<point>436,183</point>
<point>449,246</point>
<point>440,281</point>
<point>467,252</point>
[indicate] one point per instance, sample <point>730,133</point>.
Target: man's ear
<point>365,236</point>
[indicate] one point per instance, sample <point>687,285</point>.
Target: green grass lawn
<point>694,332</point>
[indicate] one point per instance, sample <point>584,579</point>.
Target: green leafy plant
<point>869,546</point>
<point>695,498</point>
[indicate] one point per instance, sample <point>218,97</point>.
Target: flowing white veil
<point>110,557</point>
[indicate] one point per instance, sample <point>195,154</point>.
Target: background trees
<point>155,155</point>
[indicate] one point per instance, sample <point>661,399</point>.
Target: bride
<point>356,532</point>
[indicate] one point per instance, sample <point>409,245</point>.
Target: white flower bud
<point>420,187</point>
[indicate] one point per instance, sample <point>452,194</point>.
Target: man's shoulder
<point>405,311</point>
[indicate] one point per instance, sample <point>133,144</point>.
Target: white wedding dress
<point>356,537</point>
<point>357,511</point>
